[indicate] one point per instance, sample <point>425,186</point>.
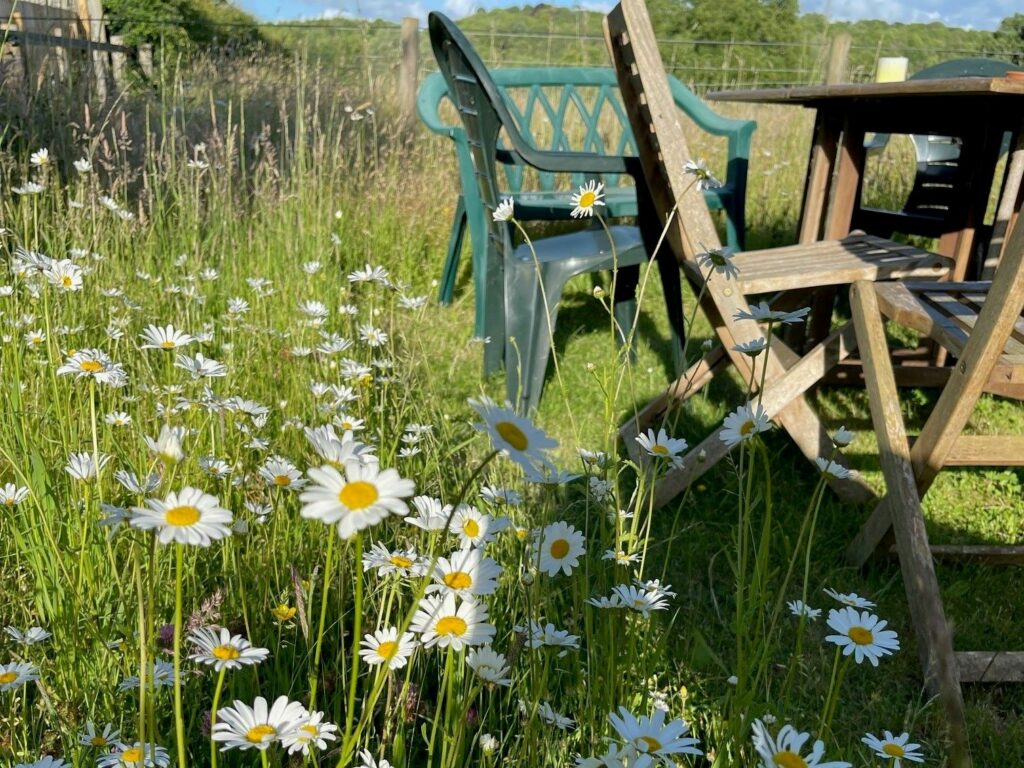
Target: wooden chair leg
<point>935,644</point>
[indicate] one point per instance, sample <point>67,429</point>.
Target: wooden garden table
<point>977,110</point>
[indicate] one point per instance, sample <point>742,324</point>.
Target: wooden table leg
<point>820,166</point>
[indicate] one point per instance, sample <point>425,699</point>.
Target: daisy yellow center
<point>9,502</point>
<point>98,741</point>
<point>400,561</point>
<point>92,366</point>
<point>587,199</point>
<point>168,344</point>
<point>226,652</point>
<point>861,636</point>
<point>747,427</point>
<point>66,281</point>
<point>512,435</point>
<point>789,759</point>
<point>451,625</point>
<point>182,516</point>
<point>651,743</point>
<point>471,528</point>
<point>6,678</point>
<point>458,580</point>
<point>894,750</point>
<point>559,548</point>
<point>387,649</point>
<point>660,449</point>
<point>358,495</point>
<point>346,425</point>
<point>282,480</point>
<point>309,728</point>
<point>258,733</point>
<point>133,755</point>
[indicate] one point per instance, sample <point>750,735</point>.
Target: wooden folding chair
<point>980,325</point>
<point>663,153</point>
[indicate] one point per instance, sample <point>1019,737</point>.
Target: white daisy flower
<point>704,178</point>
<point>547,635</point>
<point>466,573</point>
<point>167,338</point>
<point>201,367</point>
<point>639,600</point>
<point>131,481</point>
<point>222,650</point>
<point>743,423</point>
<point>752,348</point>
<point>800,608</point>
<point>516,435</point>
<point>784,750</point>
<point>585,198</point>
<point>504,211</point>
<point>490,666</point>
<point>214,467</point>
<point>661,445</point>
<point>366,760</point>
<point>762,313</point>
<point>430,515</point>
<point>615,756</point>
<point>561,547</point>
<point>281,473</point>
<point>29,188</point>
<point>186,517</point>
<point>719,260</point>
<point>137,755</point>
<point>257,727</point>
<point>861,634</point>
<point>16,674</point>
<point>313,732</point>
<point>168,443</point>
<point>829,467</point>
<point>31,636</point>
<point>65,275</point>
<point>118,419</point>
<point>161,675</point>
<point>83,165</point>
<point>94,363</point>
<point>620,557</point>
<point>384,646</point>
<point>40,157</point>
<point>362,497</point>
<point>82,466</point>
<point>385,561</point>
<point>473,528</point>
<point>46,761</point>
<point>894,748</point>
<point>852,599</point>
<point>12,495</point>
<point>551,717</point>
<point>443,621</point>
<point>500,496</point>
<point>336,451</point>
<point>654,737</point>
<point>101,739</point>
<point>842,437</point>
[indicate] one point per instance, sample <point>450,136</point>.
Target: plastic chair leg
<point>451,263</point>
<point>536,365</point>
<point>523,313</point>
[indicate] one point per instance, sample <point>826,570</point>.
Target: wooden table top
<point>812,95</point>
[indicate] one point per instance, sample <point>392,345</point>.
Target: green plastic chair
<point>519,320</point>
<point>583,96</point>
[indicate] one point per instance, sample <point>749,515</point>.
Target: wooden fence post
<point>407,69</point>
<point>146,59</point>
<point>96,29</point>
<point>118,62</point>
<point>838,70</point>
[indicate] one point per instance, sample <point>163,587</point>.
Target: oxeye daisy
<point>336,451</point>
<point>852,599</point>
<point>44,762</point>
<point>471,526</point>
<point>386,561</point>
<point>785,749</point>
<point>829,467</point>
<point>313,732</point>
<point>704,178</point>
<point>894,748</point>
<point>167,338</point>
<point>547,635</point>
<point>489,665</point>
<point>167,445</point>
<point>752,348</point>
<point>800,608</point>
<point>366,760</point>
<point>40,158</point>
<point>16,674</point>
<point>466,573</point>
<point>64,275</point>
<point>585,198</point>
<point>842,437</point>
<point>762,313</point>
<point>96,364</point>
<point>90,737</point>
<point>653,736</point>
<point>615,756</point>
<point>362,497</point>
<point>31,636</point>
<point>743,423</point>
<point>187,517</point>
<point>639,600</point>
<point>719,260</point>
<point>137,755</point>
<point>118,419</point>
<point>12,495</point>
<point>83,466</point>
<point>504,211</point>
<point>516,435</point>
<point>561,547</point>
<point>201,367</point>
<point>551,717</point>
<point>444,621</point>
<point>257,727</point>
<point>281,473</point>
<point>222,650</point>
<point>384,646</point>
<point>661,445</point>
<point>861,634</point>
<point>430,515</point>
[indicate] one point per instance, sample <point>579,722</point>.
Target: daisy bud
<point>488,744</point>
<point>526,578</point>
<point>599,292</point>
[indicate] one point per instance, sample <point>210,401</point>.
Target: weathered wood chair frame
<point>980,324</point>
<point>663,154</point>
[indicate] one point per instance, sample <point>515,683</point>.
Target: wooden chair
<point>979,324</point>
<point>663,153</point>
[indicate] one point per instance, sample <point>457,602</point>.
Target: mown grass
<point>284,156</point>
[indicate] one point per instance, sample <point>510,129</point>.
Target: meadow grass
<point>252,172</point>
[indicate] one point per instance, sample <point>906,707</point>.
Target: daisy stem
<point>835,680</point>
<point>143,661</point>
<point>356,630</point>
<point>263,758</point>
<point>179,719</point>
<point>328,572</point>
<point>213,715</point>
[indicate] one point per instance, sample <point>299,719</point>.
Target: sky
<point>976,14</point>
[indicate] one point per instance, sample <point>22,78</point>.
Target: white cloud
<point>458,9</point>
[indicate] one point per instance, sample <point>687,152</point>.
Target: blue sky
<point>979,14</point>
